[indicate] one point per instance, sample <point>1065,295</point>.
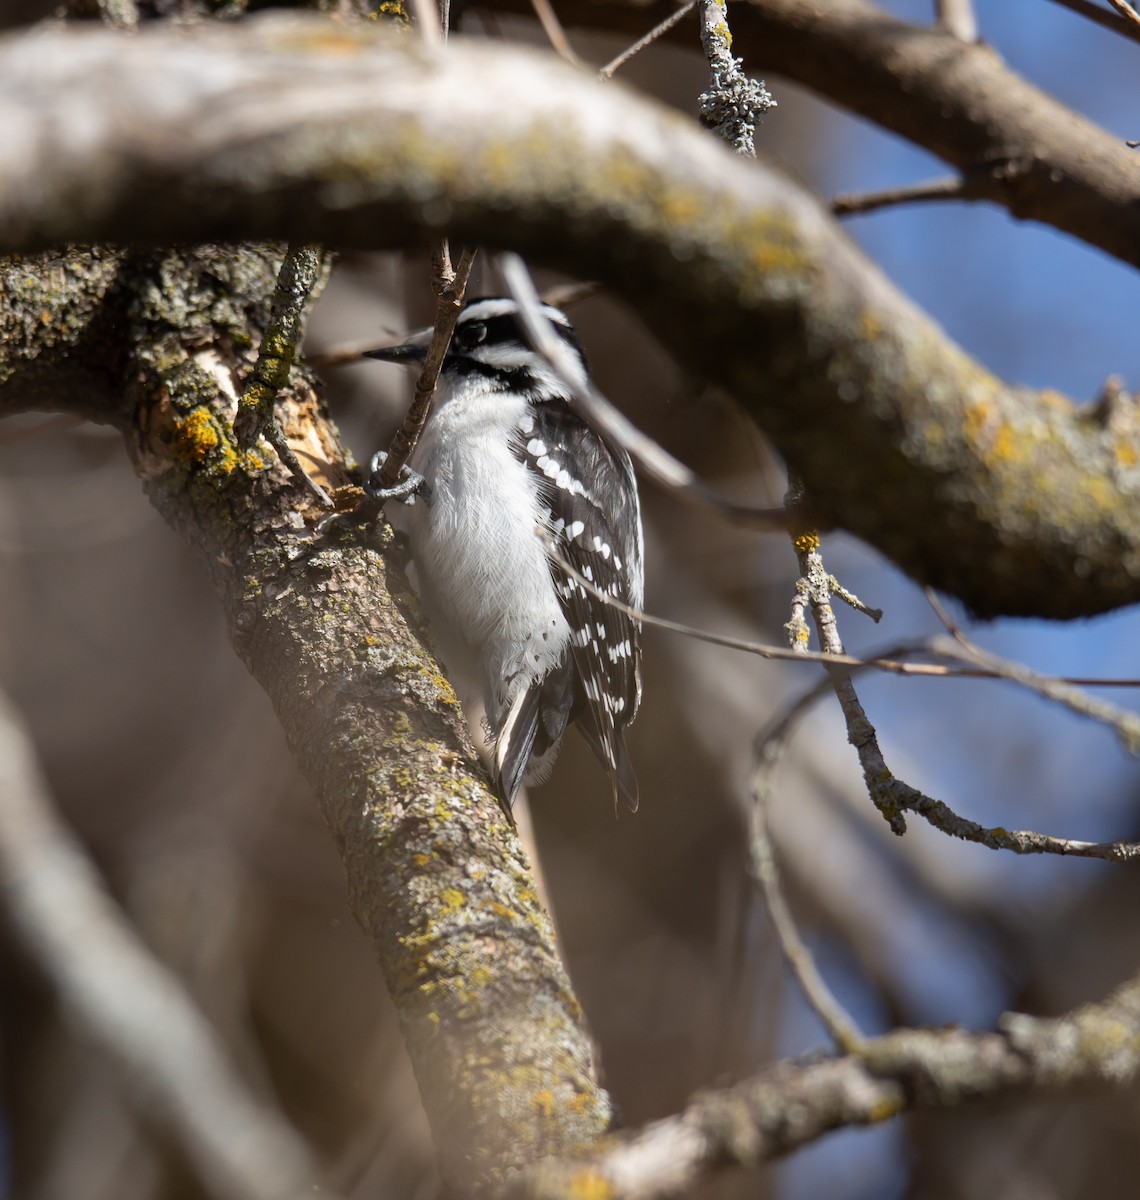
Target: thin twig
<point>957,17</point>
<point>1060,691</point>
<point>888,793</point>
<point>1099,16</point>
<point>449,285</point>
<point>657,31</point>
<point>836,1020</point>
<point>894,798</point>
<point>1127,12</point>
<point>428,22</point>
<point>118,996</point>
<point>952,188</point>
<point>1125,724</point>
<point>883,661</point>
<point>256,414</point>
<point>555,34</point>
<point>648,455</point>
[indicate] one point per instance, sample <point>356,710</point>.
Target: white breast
<point>482,565</point>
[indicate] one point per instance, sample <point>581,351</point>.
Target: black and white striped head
<point>491,344</point>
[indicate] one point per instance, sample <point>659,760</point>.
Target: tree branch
<point>1031,154</point>
<point>1012,500</point>
<point>436,878</point>
<point>795,1103</point>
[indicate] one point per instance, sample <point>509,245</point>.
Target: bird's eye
<point>467,337</point>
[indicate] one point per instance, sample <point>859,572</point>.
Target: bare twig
<point>657,31</point>
<point>449,285</point>
<point>429,21</point>
<point>1127,12</point>
<point>1099,16</point>
<point>651,458</point>
<point>886,661</point>
<point>953,188</point>
<point>120,998</point>
<point>1125,724</point>
<point>894,798</point>
<point>890,795</point>
<point>836,1020</point>
<point>957,17</point>
<point>555,34</point>
<point>256,415</point>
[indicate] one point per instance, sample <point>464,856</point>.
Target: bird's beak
<point>411,351</point>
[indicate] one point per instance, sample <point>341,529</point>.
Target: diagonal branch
<point>327,626</point>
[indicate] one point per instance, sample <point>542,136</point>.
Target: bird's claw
<point>406,488</point>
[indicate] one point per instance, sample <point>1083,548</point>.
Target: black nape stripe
<point>519,379</point>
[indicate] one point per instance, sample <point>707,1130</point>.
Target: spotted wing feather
<point>588,491</point>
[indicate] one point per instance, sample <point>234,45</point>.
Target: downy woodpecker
<point>505,471</point>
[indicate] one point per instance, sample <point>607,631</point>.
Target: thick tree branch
<point>795,1103</point>
<point>1012,500</point>
<point>436,878</point>
<point>1029,152</point>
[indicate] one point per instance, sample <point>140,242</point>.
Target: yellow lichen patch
<point>390,8</point>
<point>806,542</point>
<point>1126,455</point>
<point>444,691</point>
<point>1004,445</point>
<point>544,1102</point>
<point>588,1184</point>
<point>197,438</point>
<point>421,860</point>
<point>770,256</point>
<point>884,1110</point>
<point>977,417</point>
<point>869,325</point>
<point>681,209</point>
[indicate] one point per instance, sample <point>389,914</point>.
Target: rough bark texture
<point>327,625</point>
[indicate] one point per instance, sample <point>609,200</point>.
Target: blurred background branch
<point>119,998</point>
